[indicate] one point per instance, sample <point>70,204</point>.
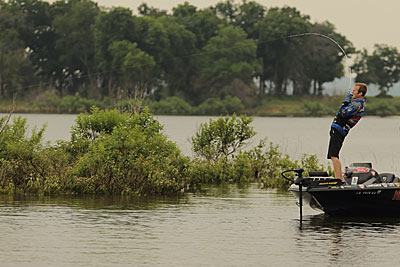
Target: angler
<point>348,116</point>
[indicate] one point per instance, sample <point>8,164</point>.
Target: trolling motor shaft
<point>298,181</point>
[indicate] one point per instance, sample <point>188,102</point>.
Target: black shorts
<point>335,143</point>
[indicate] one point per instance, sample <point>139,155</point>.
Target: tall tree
<point>16,71</point>
<point>145,10</point>
<point>203,23</point>
<point>178,63</point>
<point>229,56</point>
<point>226,10</point>
<point>132,68</point>
<point>321,60</point>
<point>38,34</point>
<point>116,25</point>
<point>76,40</point>
<point>382,67</point>
<point>277,51</point>
<point>248,15</point>
<point>151,36</point>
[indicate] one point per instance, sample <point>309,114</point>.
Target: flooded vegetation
<point>121,153</point>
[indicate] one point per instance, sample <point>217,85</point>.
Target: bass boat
<point>364,192</point>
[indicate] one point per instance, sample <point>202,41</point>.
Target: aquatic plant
<point>119,153</point>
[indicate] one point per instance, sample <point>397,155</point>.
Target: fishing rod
<point>336,43</point>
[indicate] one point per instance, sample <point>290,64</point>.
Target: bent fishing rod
<point>336,43</point>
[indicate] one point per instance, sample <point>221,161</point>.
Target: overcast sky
<point>363,22</point>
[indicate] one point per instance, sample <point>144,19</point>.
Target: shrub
<point>20,156</point>
<point>171,106</point>
<point>91,126</point>
<point>130,161</point>
<point>316,109</point>
<point>68,104</point>
<point>215,106</point>
<point>381,107</point>
<point>110,153</point>
<point>122,153</point>
<point>222,137</point>
<point>77,104</point>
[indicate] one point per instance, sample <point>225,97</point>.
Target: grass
<point>283,106</point>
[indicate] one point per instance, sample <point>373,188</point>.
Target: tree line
<point>237,49</point>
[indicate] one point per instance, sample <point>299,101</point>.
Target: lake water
<point>225,226</point>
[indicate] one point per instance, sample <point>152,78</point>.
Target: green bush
<point>222,137</point>
<point>264,163</point>
<point>222,161</point>
<point>122,153</point>
<point>110,153</point>
<point>209,172</point>
<point>215,106</point>
<point>316,109</point>
<point>129,161</point>
<point>68,104</point>
<point>171,106</point>
<point>77,104</point>
<point>381,107</point>
<point>126,154</point>
<point>22,161</point>
<point>91,126</point>
<point>267,163</point>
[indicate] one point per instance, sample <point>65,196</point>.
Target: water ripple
<point>230,227</point>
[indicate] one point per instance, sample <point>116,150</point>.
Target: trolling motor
<point>298,181</point>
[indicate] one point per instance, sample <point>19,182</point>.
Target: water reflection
<point>221,226</point>
<point>348,241</point>
<point>321,222</point>
<point>94,202</point>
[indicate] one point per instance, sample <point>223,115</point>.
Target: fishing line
<point>334,41</point>
<point>202,54</point>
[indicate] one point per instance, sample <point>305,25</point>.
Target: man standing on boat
<point>348,116</point>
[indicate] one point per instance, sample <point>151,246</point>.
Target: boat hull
<point>376,200</point>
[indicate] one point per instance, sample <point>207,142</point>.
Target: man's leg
<point>337,168</point>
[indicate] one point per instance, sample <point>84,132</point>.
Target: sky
<point>363,22</point>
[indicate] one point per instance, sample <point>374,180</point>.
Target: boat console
<point>363,173</point>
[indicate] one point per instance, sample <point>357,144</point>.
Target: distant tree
<point>16,70</point>
<point>132,69</point>
<point>382,67</point>
<point>75,38</point>
<point>38,35</point>
<point>321,59</point>
<point>178,63</point>
<point>184,10</point>
<point>203,23</point>
<point>229,56</point>
<point>226,10</point>
<point>145,10</point>
<point>116,25</point>
<point>151,36</point>
<point>248,15</point>
<point>278,52</point>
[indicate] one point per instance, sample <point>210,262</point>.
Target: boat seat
<point>387,177</point>
<point>318,174</point>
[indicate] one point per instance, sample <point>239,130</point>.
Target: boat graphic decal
<point>377,192</point>
<point>396,195</point>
